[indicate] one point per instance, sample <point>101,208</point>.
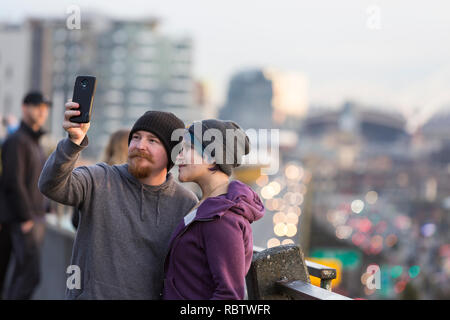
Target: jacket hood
<point>240,199</point>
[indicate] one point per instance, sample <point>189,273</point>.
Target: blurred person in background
<point>11,124</point>
<point>116,152</point>
<point>2,130</point>
<point>22,214</point>
<point>211,249</point>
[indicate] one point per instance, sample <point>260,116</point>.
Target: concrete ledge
<point>284,262</point>
<point>299,290</point>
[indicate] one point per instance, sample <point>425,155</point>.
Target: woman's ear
<point>212,166</point>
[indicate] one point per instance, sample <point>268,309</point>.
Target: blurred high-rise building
<point>137,69</point>
<point>266,98</point>
<point>15,44</point>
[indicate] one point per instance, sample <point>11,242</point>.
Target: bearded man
<point>127,212</point>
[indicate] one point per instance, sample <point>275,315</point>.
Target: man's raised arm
<point>59,180</point>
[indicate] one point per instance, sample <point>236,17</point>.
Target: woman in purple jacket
<point>211,250</point>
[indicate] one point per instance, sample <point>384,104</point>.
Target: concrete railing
<point>282,273</point>
<point>275,273</point>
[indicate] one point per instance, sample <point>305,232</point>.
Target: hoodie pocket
<point>171,292</point>
<point>108,291</point>
<point>97,290</point>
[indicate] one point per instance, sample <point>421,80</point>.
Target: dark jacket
<point>210,256</point>
<point>22,162</point>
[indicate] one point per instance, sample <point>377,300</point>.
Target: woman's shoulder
<point>226,219</point>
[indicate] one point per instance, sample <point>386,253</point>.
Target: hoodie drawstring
<point>158,214</point>
<point>142,203</point>
<point>157,208</point>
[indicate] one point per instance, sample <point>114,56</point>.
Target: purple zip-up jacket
<point>209,258</point>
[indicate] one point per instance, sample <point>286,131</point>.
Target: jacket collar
<point>27,129</point>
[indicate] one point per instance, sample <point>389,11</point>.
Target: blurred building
<point>289,98</point>
<point>15,45</point>
<point>373,126</point>
<point>437,128</point>
<point>436,132</point>
<point>202,99</point>
<point>354,132</point>
<point>137,69</point>
<point>266,98</point>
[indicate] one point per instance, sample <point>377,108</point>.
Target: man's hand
<point>77,131</point>
<point>27,226</point>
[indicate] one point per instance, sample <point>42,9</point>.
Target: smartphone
<point>83,94</point>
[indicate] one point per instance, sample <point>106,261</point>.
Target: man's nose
<point>140,144</point>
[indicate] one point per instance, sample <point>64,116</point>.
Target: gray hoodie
<point>125,226</point>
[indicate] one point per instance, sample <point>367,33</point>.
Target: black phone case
<point>83,94</point>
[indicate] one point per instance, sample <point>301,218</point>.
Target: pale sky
<point>399,59</point>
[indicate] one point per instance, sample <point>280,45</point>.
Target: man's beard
<point>139,171</point>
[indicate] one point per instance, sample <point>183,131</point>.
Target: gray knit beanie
<point>162,124</point>
<point>222,140</point>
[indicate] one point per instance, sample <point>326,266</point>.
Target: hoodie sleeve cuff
<point>70,148</point>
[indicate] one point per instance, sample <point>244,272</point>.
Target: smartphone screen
<point>83,94</point>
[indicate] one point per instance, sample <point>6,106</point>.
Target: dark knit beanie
<point>162,124</point>
<point>233,145</point>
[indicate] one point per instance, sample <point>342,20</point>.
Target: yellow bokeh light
<point>278,204</point>
<point>279,217</point>
<point>293,198</point>
<point>287,241</point>
<point>293,172</point>
<point>292,217</point>
<point>371,197</point>
<point>269,204</point>
<point>295,210</point>
<point>276,187</point>
<point>262,180</point>
<point>273,242</point>
<point>267,192</point>
<point>291,230</point>
<point>280,229</point>
<point>343,232</point>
